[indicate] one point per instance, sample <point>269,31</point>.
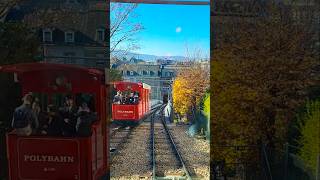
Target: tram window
<point>126,97</point>
<point>58,100</point>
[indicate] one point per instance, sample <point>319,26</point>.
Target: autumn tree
<point>310,135</point>
<point>181,94</point>
<point>123,27</point>
<point>189,87</point>
<point>261,71</point>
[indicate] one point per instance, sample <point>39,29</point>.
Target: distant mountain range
<point>145,57</point>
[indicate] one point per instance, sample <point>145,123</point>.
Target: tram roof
<point>144,85</point>
<point>39,66</point>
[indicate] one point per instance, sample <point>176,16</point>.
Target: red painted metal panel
<point>131,112</point>
<point>124,112</point>
<point>44,158</point>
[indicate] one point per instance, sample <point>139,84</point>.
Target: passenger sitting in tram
<point>118,98</point>
<point>24,120</point>
<point>53,126</point>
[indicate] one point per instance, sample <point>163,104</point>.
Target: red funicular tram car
<point>59,157</point>
<point>131,113</point>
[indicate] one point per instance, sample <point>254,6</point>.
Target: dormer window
<point>47,35</point>
<point>100,35</point>
<point>69,37</point>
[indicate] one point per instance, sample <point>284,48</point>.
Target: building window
<point>144,72</point>
<point>47,35</point>
<point>151,73</point>
<point>69,37</point>
<point>131,73</point>
<point>100,35</point>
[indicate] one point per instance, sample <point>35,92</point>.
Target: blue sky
<point>170,28</point>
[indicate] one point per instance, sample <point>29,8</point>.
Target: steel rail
<point>125,138</point>
<point>173,145</point>
<point>176,149</point>
<point>153,148</point>
<point>169,2</point>
<point>120,144</point>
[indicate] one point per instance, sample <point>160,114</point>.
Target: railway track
<point>146,151</point>
<point>118,137</point>
<point>120,134</point>
<point>167,162</point>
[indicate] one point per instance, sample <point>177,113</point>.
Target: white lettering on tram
<point>120,111</point>
<point>46,158</point>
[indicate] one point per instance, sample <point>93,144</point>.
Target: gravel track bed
<point>166,161</point>
<point>118,137</point>
<point>133,160</point>
<point>195,152</point>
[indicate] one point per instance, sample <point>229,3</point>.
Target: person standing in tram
<point>131,98</point>
<point>84,107</point>
<point>36,112</point>
<point>84,122</point>
<point>69,110</point>
<point>136,98</point>
<point>69,115</point>
<point>23,117</point>
<point>125,99</point>
<point>118,98</point>
<point>54,124</point>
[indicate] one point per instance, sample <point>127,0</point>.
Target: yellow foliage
<point>181,96</point>
<point>189,87</point>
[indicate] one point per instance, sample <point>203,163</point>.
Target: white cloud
<point>178,29</point>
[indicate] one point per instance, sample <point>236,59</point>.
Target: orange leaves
<point>189,87</point>
<point>181,96</point>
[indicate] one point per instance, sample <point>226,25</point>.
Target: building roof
<point>83,17</point>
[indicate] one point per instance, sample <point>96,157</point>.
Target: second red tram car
<point>59,157</point>
<point>131,113</point>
